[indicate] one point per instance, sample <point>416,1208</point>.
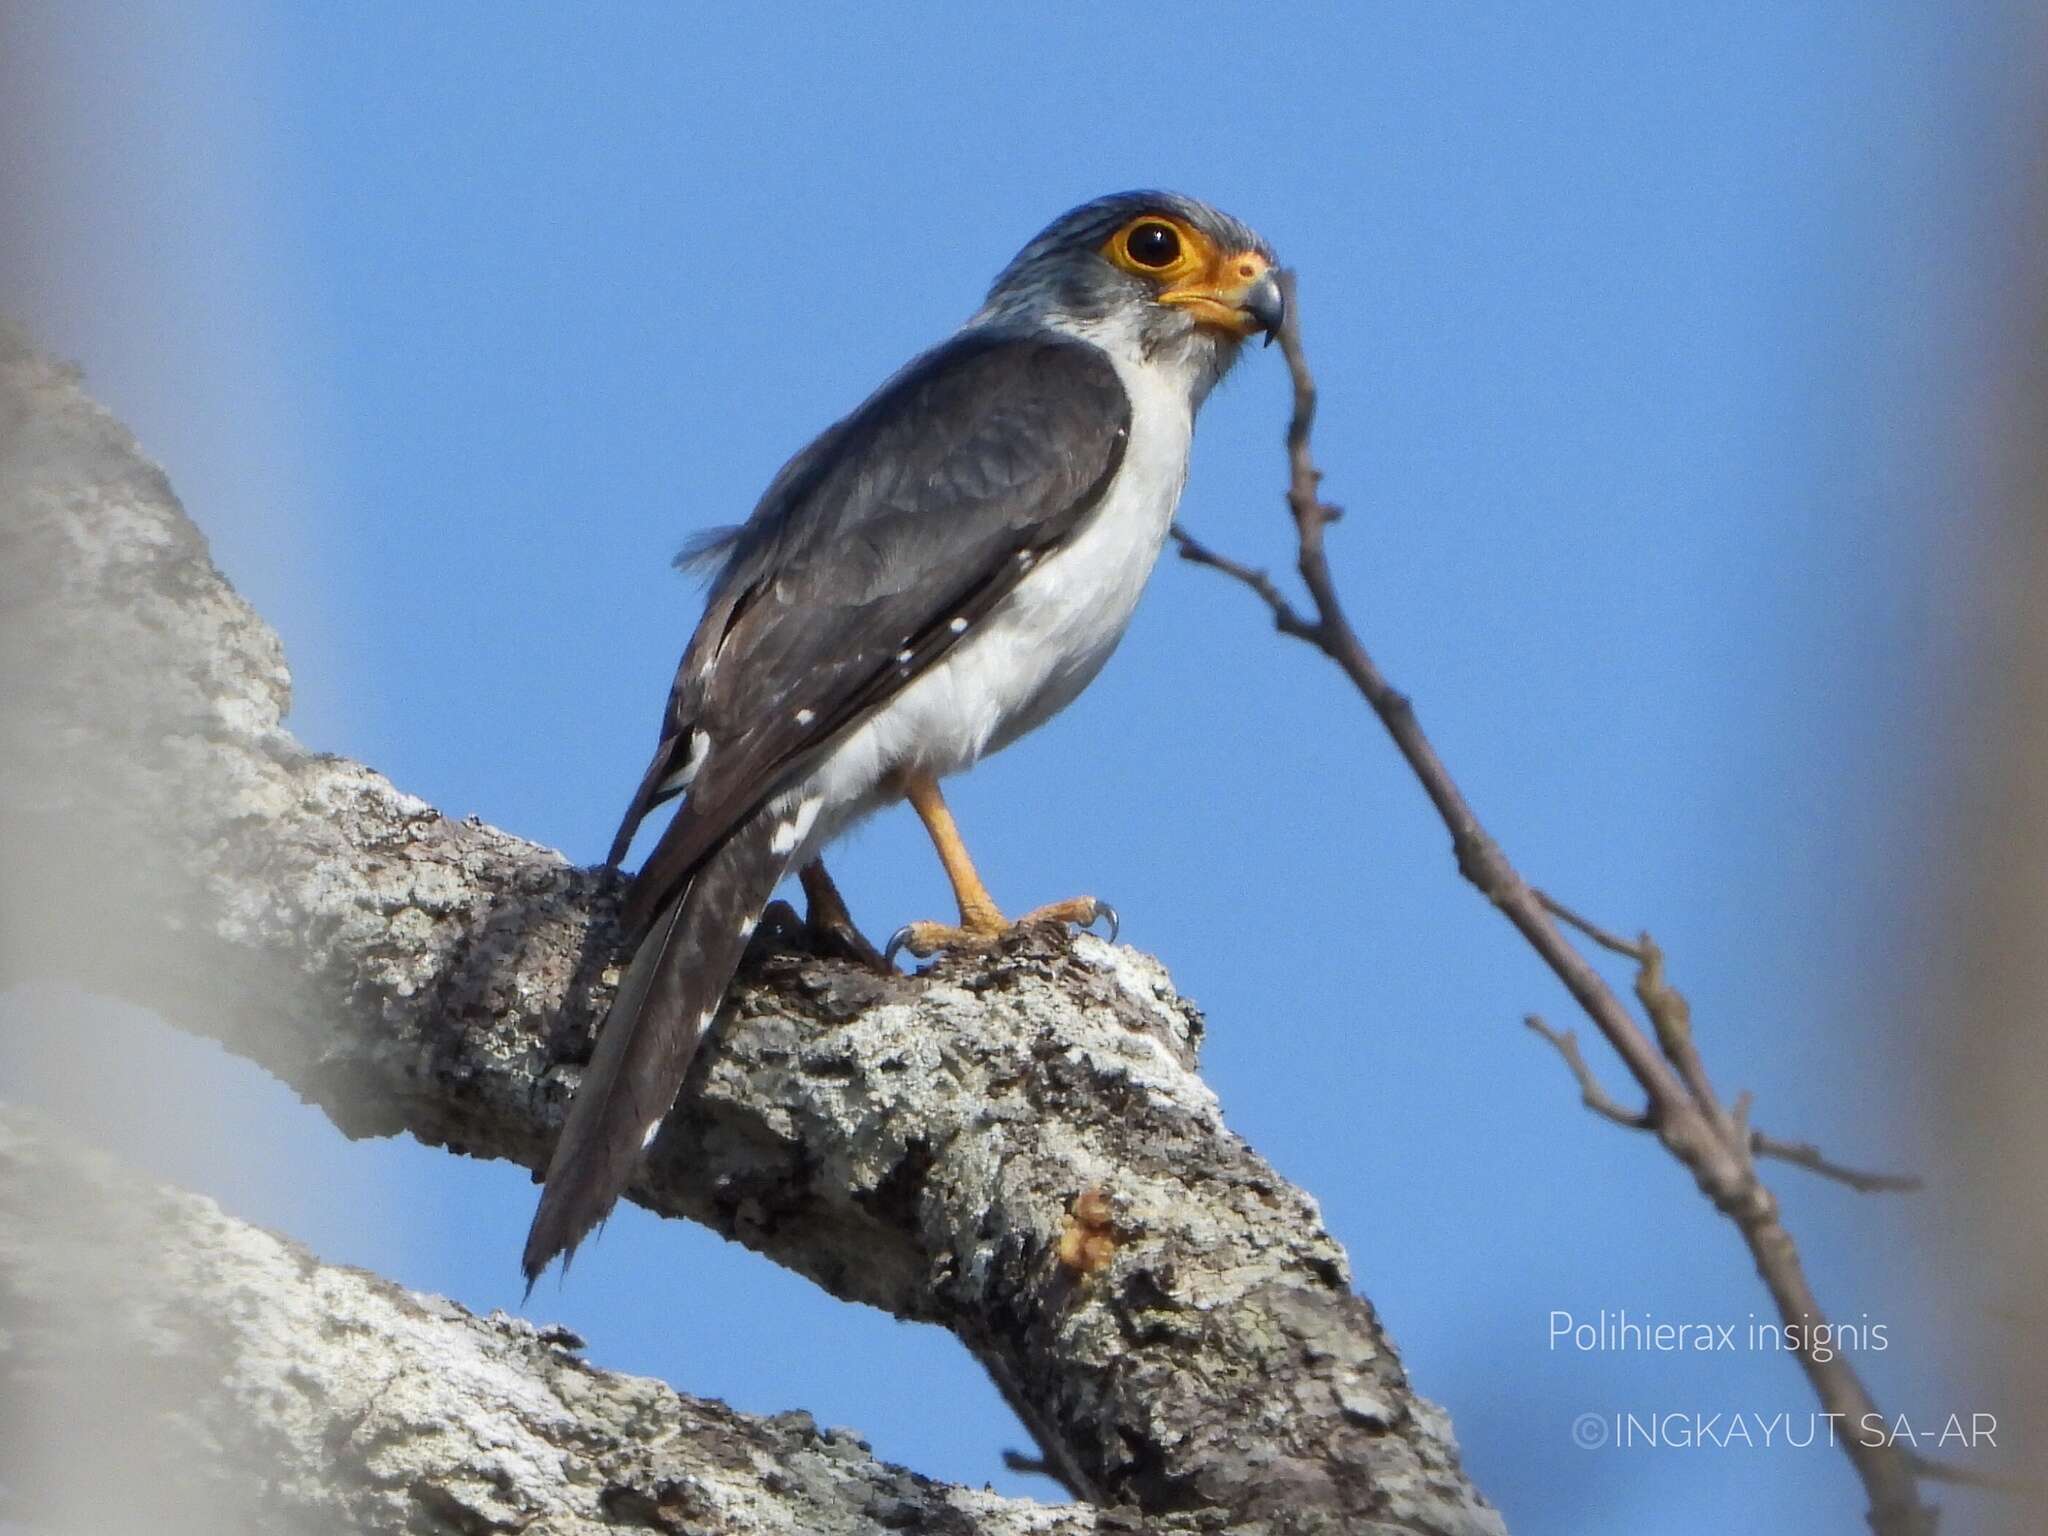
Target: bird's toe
<point>1080,911</point>
<point>925,939</point>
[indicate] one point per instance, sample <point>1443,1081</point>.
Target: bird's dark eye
<point>1153,245</point>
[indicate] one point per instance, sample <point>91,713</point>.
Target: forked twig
<point>1714,1141</point>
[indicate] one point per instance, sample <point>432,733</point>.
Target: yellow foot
<point>986,930</point>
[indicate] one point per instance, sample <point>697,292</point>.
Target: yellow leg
<point>981,920</point>
<point>979,913</point>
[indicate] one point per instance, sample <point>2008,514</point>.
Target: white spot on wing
<point>683,777</point>
<point>747,927</point>
<point>904,655</point>
<point>958,626</point>
<point>647,1138</point>
<point>807,816</point>
<point>806,716</point>
<point>797,828</point>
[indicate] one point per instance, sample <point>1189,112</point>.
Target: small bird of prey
<point>938,573</point>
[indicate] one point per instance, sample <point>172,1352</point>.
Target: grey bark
<point>919,1143</point>
<point>164,1367</point>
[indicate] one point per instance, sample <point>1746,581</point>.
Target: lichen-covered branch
<point>1015,1147</point>
<point>164,1366</point>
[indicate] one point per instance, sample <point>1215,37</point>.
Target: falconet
<point>938,573</point>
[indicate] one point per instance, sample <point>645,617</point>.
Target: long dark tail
<point>665,1002</point>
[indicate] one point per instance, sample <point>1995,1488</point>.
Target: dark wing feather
<point>928,504</point>
<point>740,552</point>
<point>664,1003</point>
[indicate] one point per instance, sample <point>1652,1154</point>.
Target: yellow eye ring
<point>1157,246</point>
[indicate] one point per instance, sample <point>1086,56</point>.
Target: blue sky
<point>1654,345</point>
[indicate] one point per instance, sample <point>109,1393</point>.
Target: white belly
<point>1038,649</point>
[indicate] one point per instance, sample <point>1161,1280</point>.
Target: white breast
<point>1045,642</point>
<point>1053,634</point>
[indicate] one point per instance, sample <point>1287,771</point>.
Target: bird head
<point>1153,274</point>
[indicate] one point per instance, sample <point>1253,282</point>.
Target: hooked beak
<point>1239,294</point>
<point>1266,302</point>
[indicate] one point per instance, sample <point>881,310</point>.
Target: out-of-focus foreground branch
<point>1712,1139</point>
<point>287,1394</point>
<point>1992,999</point>
<point>1015,1147</point>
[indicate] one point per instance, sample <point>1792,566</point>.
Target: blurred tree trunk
<point>1990,1017</point>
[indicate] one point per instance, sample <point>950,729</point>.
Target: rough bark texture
<point>165,1367</point>
<point>924,1144</point>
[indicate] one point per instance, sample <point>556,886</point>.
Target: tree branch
<point>1713,1142</point>
<point>158,1356</point>
<point>920,1143</point>
<point>1672,1016</point>
<point>1802,1153</point>
<point>1591,1094</point>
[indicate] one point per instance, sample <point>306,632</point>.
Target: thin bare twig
<point>1286,618</point>
<point>1712,1140</point>
<point>1595,1098</point>
<point>1644,951</point>
<point>1804,1154</point>
<point>1627,948</point>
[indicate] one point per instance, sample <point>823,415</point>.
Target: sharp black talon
<point>897,940</point>
<point>840,941</point>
